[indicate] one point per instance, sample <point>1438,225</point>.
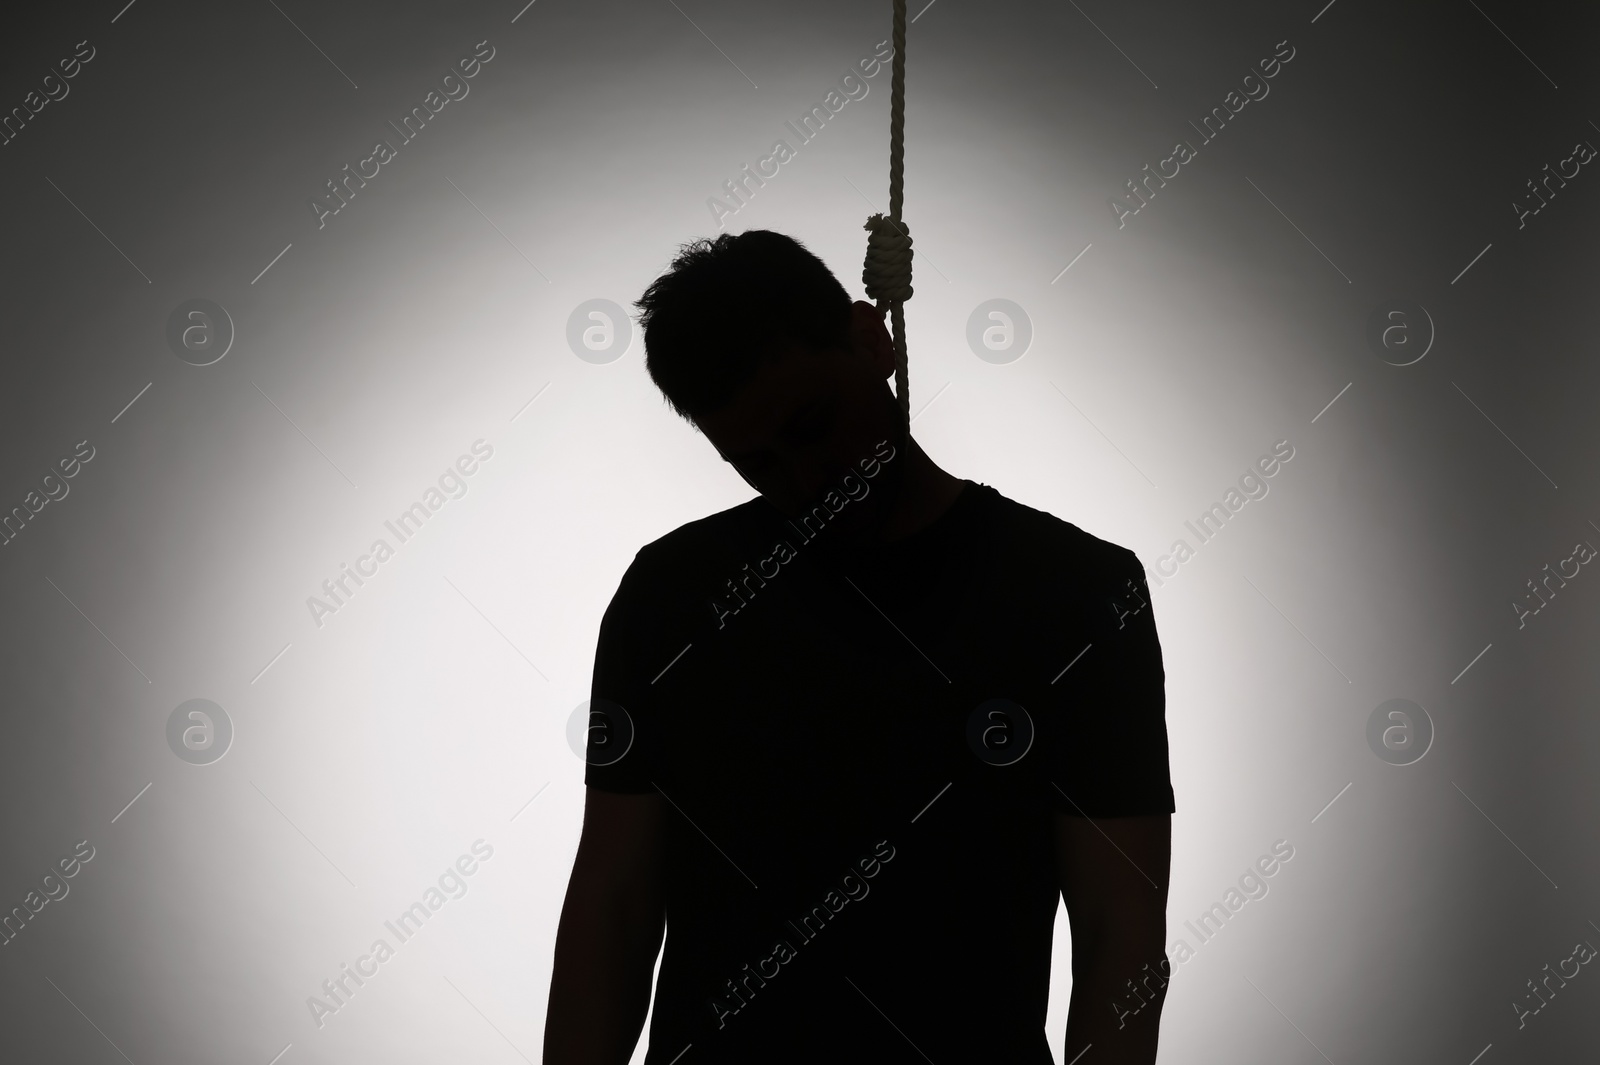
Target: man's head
<point>753,340</point>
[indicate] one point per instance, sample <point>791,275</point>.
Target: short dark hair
<point>712,319</point>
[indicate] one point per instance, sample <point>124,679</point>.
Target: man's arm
<point>1119,926</point>
<point>610,932</point>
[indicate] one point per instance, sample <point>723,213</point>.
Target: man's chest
<point>843,695</point>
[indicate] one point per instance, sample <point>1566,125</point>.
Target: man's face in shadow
<point>809,416</point>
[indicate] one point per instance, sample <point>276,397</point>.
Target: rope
<point>887,271</point>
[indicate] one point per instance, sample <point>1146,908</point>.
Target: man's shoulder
<point>684,554</point>
<point>726,529</point>
<point>1022,536</point>
<point>1041,541</point>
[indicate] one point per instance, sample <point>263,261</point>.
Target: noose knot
<point>887,271</point>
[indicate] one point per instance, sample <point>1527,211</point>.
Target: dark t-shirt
<point>862,756</point>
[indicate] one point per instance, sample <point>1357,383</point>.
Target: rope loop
<point>887,270</point>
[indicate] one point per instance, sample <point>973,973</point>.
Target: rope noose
<point>887,272</point>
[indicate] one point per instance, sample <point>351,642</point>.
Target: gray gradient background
<point>429,711</point>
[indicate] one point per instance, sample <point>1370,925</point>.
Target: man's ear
<point>869,336</point>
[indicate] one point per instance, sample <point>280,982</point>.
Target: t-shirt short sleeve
<point>1108,756</point>
<point>623,714</point>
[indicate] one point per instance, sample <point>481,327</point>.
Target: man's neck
<point>924,495</point>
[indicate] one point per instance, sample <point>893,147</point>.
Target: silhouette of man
<point>852,740</point>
